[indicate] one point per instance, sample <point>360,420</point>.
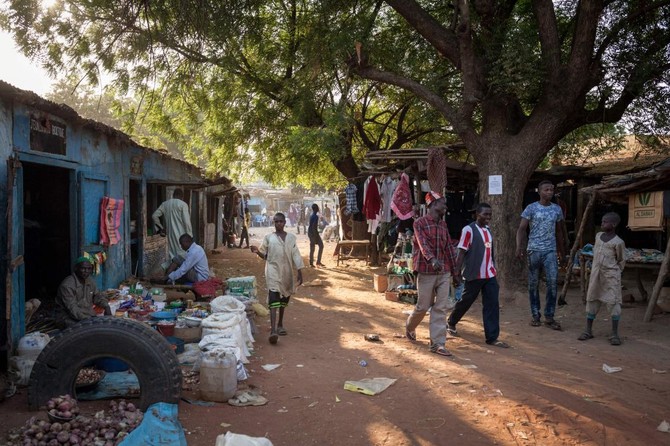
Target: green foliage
<point>245,87</point>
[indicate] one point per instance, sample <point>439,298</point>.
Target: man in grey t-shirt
<point>543,218</point>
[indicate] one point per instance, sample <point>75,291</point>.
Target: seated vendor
<point>191,268</point>
<point>77,294</point>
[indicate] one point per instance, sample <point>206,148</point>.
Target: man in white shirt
<point>193,267</point>
<point>282,259</point>
<point>176,221</point>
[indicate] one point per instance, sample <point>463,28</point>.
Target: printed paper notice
<point>495,184</point>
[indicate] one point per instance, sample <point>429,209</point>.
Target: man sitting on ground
<point>191,268</point>
<point>77,294</point>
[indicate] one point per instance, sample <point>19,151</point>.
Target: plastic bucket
<point>166,329</point>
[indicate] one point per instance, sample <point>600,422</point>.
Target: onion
<point>63,437</point>
<point>56,427</point>
<point>66,405</point>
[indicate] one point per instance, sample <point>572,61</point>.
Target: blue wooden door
<point>92,188</point>
<point>15,279</point>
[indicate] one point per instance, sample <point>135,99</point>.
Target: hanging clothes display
<point>436,169</point>
<point>372,204</point>
<point>386,190</point>
<point>111,211</point>
<point>401,202</point>
<point>350,192</point>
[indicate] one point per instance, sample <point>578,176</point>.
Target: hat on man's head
<point>432,196</point>
<point>83,259</point>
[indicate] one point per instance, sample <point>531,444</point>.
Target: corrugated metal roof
<point>11,93</point>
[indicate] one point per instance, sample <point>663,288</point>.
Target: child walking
<point>281,255</point>
<point>605,281</point>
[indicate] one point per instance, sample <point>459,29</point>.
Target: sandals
<point>274,337</point>
<point>411,335</point>
<point>614,340</point>
<point>585,336</point>
<point>281,331</point>
<point>440,350</point>
<point>554,325</point>
<point>535,323</point>
<point>247,398</point>
<point>451,330</point>
<point>500,344</point>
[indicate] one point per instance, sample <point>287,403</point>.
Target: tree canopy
<point>243,85</point>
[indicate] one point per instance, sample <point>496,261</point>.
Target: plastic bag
<point>226,303</point>
<point>232,439</point>
<point>159,427</point>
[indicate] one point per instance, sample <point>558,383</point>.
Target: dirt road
<point>548,389</point>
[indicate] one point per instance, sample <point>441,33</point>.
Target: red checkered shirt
<point>432,240</point>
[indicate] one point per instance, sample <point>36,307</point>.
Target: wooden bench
<point>353,246</point>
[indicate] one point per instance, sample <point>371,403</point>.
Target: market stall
<point>644,193</point>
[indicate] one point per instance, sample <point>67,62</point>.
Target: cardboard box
<point>393,296</point>
<point>188,334</point>
<point>380,282</point>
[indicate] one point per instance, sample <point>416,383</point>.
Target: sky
<point>19,71</point>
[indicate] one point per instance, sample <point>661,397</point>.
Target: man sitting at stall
<point>77,294</point>
<point>193,267</point>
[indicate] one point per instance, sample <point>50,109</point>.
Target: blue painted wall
<point>100,162</point>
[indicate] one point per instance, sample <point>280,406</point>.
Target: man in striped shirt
<point>434,262</point>
<point>475,255</point>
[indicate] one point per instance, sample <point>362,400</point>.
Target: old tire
<point>147,353</point>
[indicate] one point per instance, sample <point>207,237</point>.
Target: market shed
<point>645,193</point>
<point>70,185</point>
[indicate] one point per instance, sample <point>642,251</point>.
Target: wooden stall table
<point>352,245</point>
<point>637,266</point>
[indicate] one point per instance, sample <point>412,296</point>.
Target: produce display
<point>87,377</point>
<point>105,428</point>
<point>63,406</point>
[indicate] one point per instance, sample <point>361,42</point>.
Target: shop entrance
<point>47,229</point>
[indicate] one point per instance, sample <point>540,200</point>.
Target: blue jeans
<point>537,261</point>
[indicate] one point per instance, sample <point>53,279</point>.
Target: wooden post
<point>659,283</point>
<point>575,247</point>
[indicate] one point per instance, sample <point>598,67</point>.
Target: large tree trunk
<point>511,160</point>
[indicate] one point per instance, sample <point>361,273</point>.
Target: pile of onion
<point>105,428</point>
<point>63,406</point>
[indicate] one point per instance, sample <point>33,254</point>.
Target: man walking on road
<point>475,255</point>
<point>282,259</point>
<point>176,222</point>
<point>435,263</point>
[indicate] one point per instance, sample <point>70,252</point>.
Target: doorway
<point>47,229</point>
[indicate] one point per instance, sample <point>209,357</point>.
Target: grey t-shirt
<point>542,221</point>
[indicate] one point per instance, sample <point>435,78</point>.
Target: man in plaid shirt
<point>434,261</point>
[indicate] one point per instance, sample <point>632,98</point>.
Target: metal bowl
<point>57,419</point>
<point>192,321</point>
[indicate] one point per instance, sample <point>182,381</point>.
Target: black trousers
<point>490,306</point>
<point>313,241</point>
